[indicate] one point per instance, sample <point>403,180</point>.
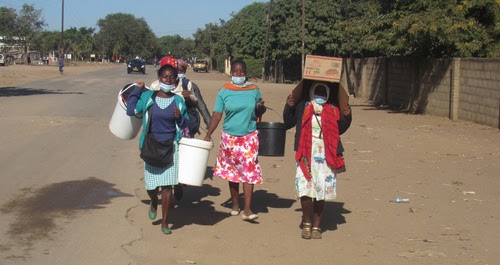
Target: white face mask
<point>320,99</point>
<point>167,88</point>
<point>238,80</point>
<point>180,76</point>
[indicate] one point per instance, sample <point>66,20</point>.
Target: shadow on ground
<point>333,215</point>
<point>36,210</point>
<point>14,92</point>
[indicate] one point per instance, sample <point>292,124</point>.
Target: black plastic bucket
<point>272,136</point>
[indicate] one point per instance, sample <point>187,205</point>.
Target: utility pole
<point>267,40</point>
<point>61,47</point>
<point>303,32</point>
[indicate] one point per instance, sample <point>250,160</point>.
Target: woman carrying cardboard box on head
<point>314,111</point>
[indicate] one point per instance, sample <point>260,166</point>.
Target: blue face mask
<point>320,99</point>
<point>166,88</point>
<point>180,76</point>
<point>238,80</point>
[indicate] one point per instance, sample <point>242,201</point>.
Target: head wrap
<point>168,60</point>
<point>317,107</point>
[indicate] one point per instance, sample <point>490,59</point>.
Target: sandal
<point>316,233</point>
<point>151,214</point>
<point>234,212</point>
<point>166,230</point>
<point>306,230</point>
<point>249,218</point>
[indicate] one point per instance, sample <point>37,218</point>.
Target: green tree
<point>47,42</point>
<point>79,42</point>
<point>243,36</point>
<point>205,40</point>
<point>8,17</point>
<point>22,28</point>
<point>424,28</point>
<point>137,40</point>
<point>29,25</point>
<point>169,45</point>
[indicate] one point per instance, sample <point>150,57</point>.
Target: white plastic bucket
<point>193,158</point>
<point>121,125</point>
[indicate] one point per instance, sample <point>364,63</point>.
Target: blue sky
<point>164,17</point>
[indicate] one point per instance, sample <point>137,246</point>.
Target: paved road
<point>72,193</point>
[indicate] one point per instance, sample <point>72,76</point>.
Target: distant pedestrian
<point>29,60</point>
<point>61,64</point>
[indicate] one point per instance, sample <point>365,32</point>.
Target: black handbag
<point>155,153</point>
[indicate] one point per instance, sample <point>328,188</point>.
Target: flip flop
<point>166,230</point>
<point>151,215</point>
<point>250,217</point>
<point>235,212</point>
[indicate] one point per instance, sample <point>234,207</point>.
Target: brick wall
<point>466,89</point>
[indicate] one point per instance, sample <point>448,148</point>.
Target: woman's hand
<point>290,102</point>
<point>347,110</point>
<point>260,109</point>
<point>208,138</point>
<point>186,93</point>
<point>140,84</point>
<point>260,103</point>
<point>177,113</point>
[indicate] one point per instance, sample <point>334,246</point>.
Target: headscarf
<point>317,107</point>
<point>168,60</point>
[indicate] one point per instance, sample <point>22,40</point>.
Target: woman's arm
<point>214,122</point>
<point>202,107</point>
<point>289,113</point>
<point>345,120</point>
<point>132,102</point>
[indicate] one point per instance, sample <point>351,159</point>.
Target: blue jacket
<point>143,101</point>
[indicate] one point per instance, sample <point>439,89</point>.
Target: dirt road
<point>72,193</point>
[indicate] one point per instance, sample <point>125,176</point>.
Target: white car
<point>2,60</point>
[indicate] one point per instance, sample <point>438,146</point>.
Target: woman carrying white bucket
<point>164,116</point>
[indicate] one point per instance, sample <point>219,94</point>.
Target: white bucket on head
<point>193,159</point>
<point>121,125</point>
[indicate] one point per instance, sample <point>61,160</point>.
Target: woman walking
<point>237,161</point>
<point>164,115</point>
<point>319,124</point>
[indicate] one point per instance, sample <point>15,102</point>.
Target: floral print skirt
<point>238,159</point>
<point>323,182</point>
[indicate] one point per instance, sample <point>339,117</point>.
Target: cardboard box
<point>326,69</point>
<point>322,68</point>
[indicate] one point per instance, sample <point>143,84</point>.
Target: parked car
<point>200,66</point>
<point>2,60</point>
<point>136,65</point>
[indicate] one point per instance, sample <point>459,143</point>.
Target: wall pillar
<point>454,89</point>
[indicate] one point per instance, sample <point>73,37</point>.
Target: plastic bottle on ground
<point>401,200</point>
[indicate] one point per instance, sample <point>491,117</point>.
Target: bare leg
<point>318,212</point>
<point>234,189</point>
<point>247,195</point>
<point>153,195</point>
<point>166,197</point>
<point>318,215</point>
<point>307,205</point>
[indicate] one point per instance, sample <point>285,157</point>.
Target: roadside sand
<point>449,171</point>
<point>15,74</point>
